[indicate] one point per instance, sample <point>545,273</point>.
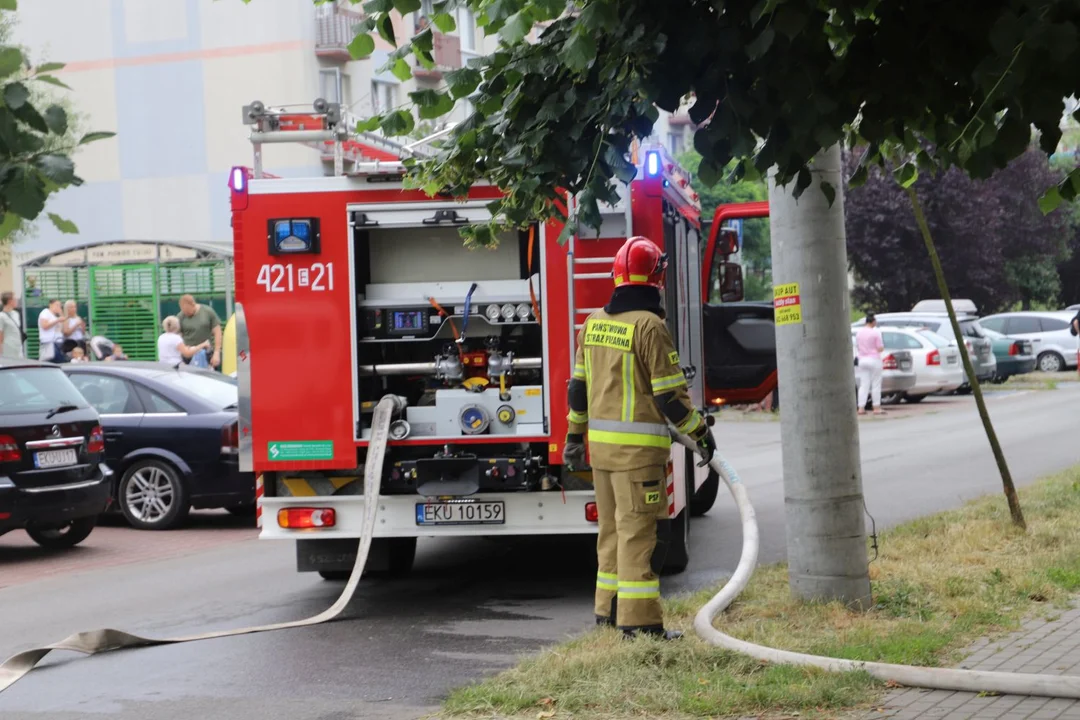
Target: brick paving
<point>113,543</point>
<point>1051,648</point>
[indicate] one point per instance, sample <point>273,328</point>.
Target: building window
<point>466,23</point>
<point>383,97</point>
<point>675,142</point>
<point>330,85</point>
<point>422,19</point>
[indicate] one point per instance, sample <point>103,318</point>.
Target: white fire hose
<point>94,642</point>
<point>1005,683</point>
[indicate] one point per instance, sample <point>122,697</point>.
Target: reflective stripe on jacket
<point>626,360</point>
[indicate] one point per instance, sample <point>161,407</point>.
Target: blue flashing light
<point>238,179</point>
<point>652,163</point>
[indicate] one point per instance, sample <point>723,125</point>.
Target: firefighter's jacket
<point>628,362</point>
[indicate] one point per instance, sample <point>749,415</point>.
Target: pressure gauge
<point>523,311</point>
<point>491,312</point>
<point>508,311</point>
<point>474,419</point>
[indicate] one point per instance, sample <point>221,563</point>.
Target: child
<point>117,353</point>
<point>78,355</point>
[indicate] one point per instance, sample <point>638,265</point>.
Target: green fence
<point>126,303</point>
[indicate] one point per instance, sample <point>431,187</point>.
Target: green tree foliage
<point>996,246</point>
<point>756,254</point>
<point>35,142</point>
<point>773,81</point>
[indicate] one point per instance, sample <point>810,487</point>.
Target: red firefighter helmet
<point>639,262</point>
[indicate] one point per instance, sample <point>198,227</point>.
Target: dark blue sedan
<point>170,437</point>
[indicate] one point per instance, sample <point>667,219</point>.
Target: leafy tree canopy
<point>955,84</point>
<point>996,248</point>
<point>35,154</point>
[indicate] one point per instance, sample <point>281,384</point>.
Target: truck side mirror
<point>731,283</point>
<point>727,243</point>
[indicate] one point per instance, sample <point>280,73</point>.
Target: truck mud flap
<point>93,642</point>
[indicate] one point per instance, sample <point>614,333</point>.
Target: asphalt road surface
<point>470,608</point>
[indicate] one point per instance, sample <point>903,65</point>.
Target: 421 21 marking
<point>284,277</point>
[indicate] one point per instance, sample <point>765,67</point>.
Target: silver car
<point>980,347</point>
<point>1054,345</point>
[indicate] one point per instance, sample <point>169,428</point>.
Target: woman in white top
<point>74,326</point>
<point>170,344</point>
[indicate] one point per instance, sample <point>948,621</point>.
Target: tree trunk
<point>976,390</point>
<point>823,499</point>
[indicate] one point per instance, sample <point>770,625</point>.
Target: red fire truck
<point>351,287</point>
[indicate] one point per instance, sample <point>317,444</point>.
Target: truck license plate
<point>481,512</point>
<point>55,458</point>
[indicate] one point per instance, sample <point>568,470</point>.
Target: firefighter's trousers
<point>629,504</point>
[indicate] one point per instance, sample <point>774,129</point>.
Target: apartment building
<point>170,78</point>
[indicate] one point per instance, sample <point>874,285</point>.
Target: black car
<point>170,436</point>
<point>54,481</point>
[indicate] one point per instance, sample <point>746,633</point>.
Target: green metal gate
<point>125,308</point>
<point>43,284</point>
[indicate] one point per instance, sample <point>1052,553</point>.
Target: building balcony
<point>446,51</point>
<point>334,30</point>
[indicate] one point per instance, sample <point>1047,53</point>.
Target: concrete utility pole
<point>823,498</point>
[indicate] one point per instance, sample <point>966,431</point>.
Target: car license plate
<point>952,360</point>
<point>55,458</point>
<point>479,512</point>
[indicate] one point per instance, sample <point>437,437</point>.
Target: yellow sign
<point>787,305</point>
<point>651,498</point>
<point>610,334</point>
<point>532,392</point>
<point>673,357</point>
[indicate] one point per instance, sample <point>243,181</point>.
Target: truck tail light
<point>933,358</point>
<point>9,449</point>
<point>889,363</point>
<point>306,518</point>
<point>97,440</point>
<point>230,438</point>
<point>591,513</point>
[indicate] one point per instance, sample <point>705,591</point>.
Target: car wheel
<point>65,536</point>
<point>1051,362</point>
<point>914,398</point>
<point>152,496</point>
<point>892,398</point>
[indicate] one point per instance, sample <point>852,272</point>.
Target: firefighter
<point>627,382</point>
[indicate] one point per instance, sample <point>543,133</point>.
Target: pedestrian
<point>869,345</point>
<point>198,324</point>
<point>11,332</point>
<point>74,327</point>
<point>78,355</point>
<point>50,332</point>
<point>627,384</point>
<point>117,353</point>
<point>172,350</point>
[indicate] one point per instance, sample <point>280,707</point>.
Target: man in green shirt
<point>199,323</point>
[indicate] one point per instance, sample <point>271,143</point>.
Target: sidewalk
<point>1051,648</point>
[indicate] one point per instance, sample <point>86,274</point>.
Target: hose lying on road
<point>1006,683</point>
<point>94,642</point>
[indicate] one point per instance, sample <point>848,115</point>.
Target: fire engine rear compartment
<point>454,331</point>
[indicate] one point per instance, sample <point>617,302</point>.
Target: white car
<point>935,360</point>
<point>1054,345</point>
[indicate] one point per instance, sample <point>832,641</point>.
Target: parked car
<point>1054,345</point>
<point>936,361</point>
<point>898,373</point>
<point>1014,356</point>
<point>979,347</point>
<point>54,481</point>
<point>171,436</point>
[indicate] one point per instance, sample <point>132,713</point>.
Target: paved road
<point>471,608</point>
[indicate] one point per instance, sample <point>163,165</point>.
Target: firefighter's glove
<point>573,454</point>
<point>706,446</point>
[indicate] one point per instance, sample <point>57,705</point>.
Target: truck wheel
<point>66,536</point>
<point>391,557</point>
<point>702,501</point>
<point>677,556</point>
